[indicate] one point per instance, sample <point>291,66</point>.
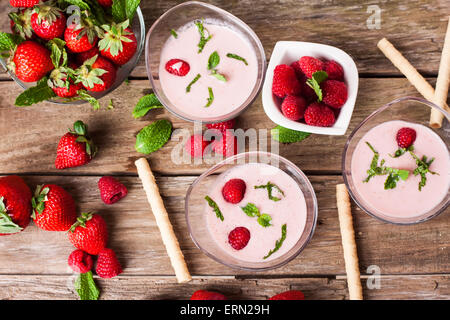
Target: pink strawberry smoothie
<point>290,210</point>
<point>229,95</point>
<point>405,200</point>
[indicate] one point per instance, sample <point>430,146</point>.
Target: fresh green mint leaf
<point>285,135</point>
<point>423,167</point>
<point>235,56</point>
<point>36,94</point>
<point>124,9</point>
<point>402,151</point>
<point>174,33</point>
<point>264,220</point>
<point>188,88</point>
<point>204,35</point>
<point>218,76</point>
<point>145,104</point>
<point>210,98</point>
<point>154,136</point>
<point>79,3</point>
<point>270,186</point>
<point>213,61</point>
<point>279,242</point>
<point>214,205</point>
<point>251,210</point>
<point>9,41</point>
<point>86,287</point>
<point>317,78</point>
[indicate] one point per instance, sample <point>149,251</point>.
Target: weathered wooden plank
<point>416,27</point>
<point>30,287</point>
<point>30,135</point>
<point>418,249</point>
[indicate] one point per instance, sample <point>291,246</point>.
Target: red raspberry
<point>318,114</point>
<point>289,295</point>
<point>227,146</point>
<point>293,107</point>
<point>309,65</point>
<point>285,81</point>
<point>406,137</point>
<point>239,238</point>
<point>107,264</point>
<point>234,190</point>
<point>334,93</point>
<point>334,70</point>
<point>222,126</point>
<point>207,295</point>
<point>298,71</point>
<point>178,67</point>
<point>196,145</point>
<point>111,190</point>
<point>80,261</point>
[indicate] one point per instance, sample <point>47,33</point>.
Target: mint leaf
<point>423,167</point>
<point>251,210</point>
<point>264,220</point>
<point>213,60</point>
<point>285,135</point>
<point>211,97</point>
<point>9,41</point>
<point>145,104</point>
<point>153,137</point>
<point>36,94</point>
<point>204,35</point>
<point>402,151</point>
<point>317,78</point>
<point>188,88</point>
<point>235,56</point>
<point>86,287</point>
<point>279,242</point>
<point>174,33</point>
<point>84,95</point>
<point>214,205</point>
<point>7,226</point>
<point>218,76</point>
<point>98,11</point>
<point>79,3</point>
<point>124,9</point>
<point>269,186</point>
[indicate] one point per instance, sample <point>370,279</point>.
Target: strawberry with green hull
<point>75,148</point>
<point>89,233</point>
<point>81,37</point>
<point>23,3</point>
<point>48,21</point>
<point>15,205</point>
<point>119,43</point>
<point>31,61</point>
<point>53,208</point>
<point>62,82</point>
<point>96,74</point>
<point>21,23</point>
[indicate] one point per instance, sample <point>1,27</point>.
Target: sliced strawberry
<point>178,67</point>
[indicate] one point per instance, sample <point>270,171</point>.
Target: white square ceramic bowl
<point>286,52</point>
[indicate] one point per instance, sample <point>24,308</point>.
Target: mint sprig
<point>36,94</point>
<point>197,77</point>
<point>423,167</point>
<point>154,136</point>
<point>213,61</point>
<point>86,287</point>
<point>317,78</point>
<point>279,242</point>
<point>124,9</point>
<point>9,42</point>
<point>215,207</point>
<point>252,211</point>
<point>285,135</point>
<point>174,33</point>
<point>145,104</point>
<point>402,151</point>
<point>210,98</point>
<point>270,186</point>
<point>235,56</point>
<point>204,35</point>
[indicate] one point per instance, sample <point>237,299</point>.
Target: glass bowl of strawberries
<point>310,87</point>
<point>71,54</point>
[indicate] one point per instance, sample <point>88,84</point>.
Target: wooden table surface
<point>414,260</point>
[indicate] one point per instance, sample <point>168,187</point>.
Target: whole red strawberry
<point>334,70</point>
<point>15,205</point>
<point>105,3</point>
<point>196,145</point>
<point>80,261</point>
<point>83,56</point>
<point>222,126</point>
<point>75,148</point>
<point>289,295</point>
<point>31,61</point>
<point>119,43</point>
<point>239,238</point>
<point>285,81</point>
<point>178,67</point>
<point>111,190</point>
<point>334,93</point>
<point>53,208</point>
<point>89,233</point>
<point>21,23</point>
<point>48,22</point>
<point>293,107</point>
<point>234,190</point>
<point>107,264</point>
<point>207,295</point>
<point>406,137</point>
<point>227,146</point>
<point>62,82</point>
<point>319,115</point>
<point>80,38</point>
<point>97,74</point>
<point>309,65</point>
<point>23,3</point>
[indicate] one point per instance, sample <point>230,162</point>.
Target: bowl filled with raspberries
<point>310,87</point>
<point>71,52</point>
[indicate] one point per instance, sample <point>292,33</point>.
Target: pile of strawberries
<point>310,90</point>
<point>73,59</point>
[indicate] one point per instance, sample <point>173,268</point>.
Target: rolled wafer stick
<point>414,77</point>
<point>162,220</point>
<point>348,243</point>
<point>442,83</point>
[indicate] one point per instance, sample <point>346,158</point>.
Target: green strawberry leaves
<point>58,51</point>
<point>317,78</point>
<point>145,104</point>
<point>38,93</point>
<point>39,199</point>
<point>285,135</point>
<point>86,287</point>
<point>124,9</point>
<point>114,37</point>
<point>81,130</point>
<point>153,137</point>
<point>84,95</point>
<point>8,43</point>
<point>7,226</point>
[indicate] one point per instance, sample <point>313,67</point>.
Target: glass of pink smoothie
<point>294,210</point>
<point>232,83</point>
<point>394,190</point>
